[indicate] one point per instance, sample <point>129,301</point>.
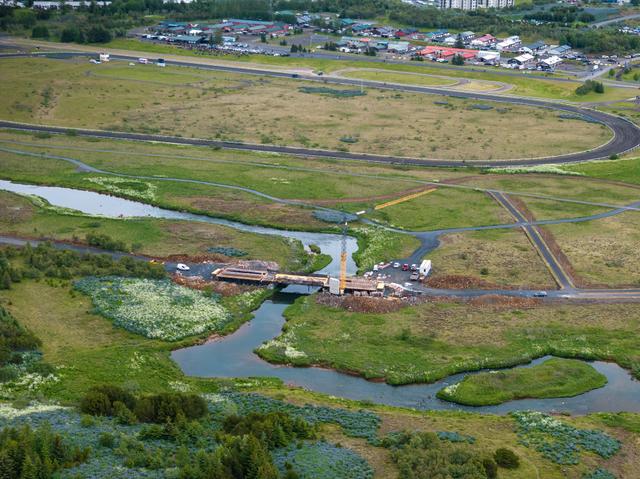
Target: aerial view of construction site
<point>320,239</point>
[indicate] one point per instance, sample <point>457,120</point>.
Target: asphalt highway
<point>626,134</point>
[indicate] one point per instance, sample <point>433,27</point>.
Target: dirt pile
<point>220,287</point>
<point>455,281</point>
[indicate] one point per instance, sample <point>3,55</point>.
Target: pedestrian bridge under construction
<point>353,283</point>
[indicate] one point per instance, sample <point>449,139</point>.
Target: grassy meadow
<point>502,258</point>
<point>430,341</point>
<point>602,252</point>
<point>555,377</point>
<point>218,105</point>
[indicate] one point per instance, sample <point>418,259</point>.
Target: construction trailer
<point>425,268</point>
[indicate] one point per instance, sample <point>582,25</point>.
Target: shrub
<point>169,406</point>
<point>276,429</point>
<point>96,404</point>
<point>589,86</point>
<point>103,241</point>
<point>40,31</point>
<point>106,439</point>
<point>490,467</point>
<point>506,458</point>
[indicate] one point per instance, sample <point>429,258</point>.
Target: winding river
<point>233,355</point>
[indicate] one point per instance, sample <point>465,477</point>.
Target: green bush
<point>589,86</point>
<point>106,439</point>
<point>506,458</point>
<point>40,31</point>
<point>490,467</point>
<point>276,429</point>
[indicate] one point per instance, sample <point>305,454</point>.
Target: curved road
<point>626,134</point>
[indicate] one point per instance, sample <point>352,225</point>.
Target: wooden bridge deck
<point>354,283</point>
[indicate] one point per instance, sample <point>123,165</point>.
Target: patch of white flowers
<point>30,382</point>
<point>555,169</point>
<point>179,386</point>
<point>450,390</point>
<point>284,343</point>
<point>156,309</point>
<point>124,186</point>
<point>9,412</point>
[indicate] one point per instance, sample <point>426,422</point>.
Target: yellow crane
<point>343,257</point>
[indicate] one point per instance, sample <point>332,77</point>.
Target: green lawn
<point>551,379</point>
<point>627,170</point>
<point>443,208</point>
<point>428,342</point>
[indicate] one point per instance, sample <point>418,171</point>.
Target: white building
<point>475,4</point>
<point>54,5</point>
<point>508,43</point>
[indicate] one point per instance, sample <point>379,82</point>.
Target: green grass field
<point>443,208</point>
<point>434,340</point>
<point>551,379</point>
<point>219,105</point>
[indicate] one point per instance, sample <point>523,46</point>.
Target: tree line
<point>46,261</point>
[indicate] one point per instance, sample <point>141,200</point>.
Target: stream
<point>232,356</point>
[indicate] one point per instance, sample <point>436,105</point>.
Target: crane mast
<point>343,257</point>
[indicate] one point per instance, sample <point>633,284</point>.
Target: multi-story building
<point>475,4</point>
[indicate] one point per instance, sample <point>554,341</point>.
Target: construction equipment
<point>343,257</point>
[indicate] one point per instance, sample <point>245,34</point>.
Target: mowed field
<point>257,109</point>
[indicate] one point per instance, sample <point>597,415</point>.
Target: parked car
<point>396,265</point>
<point>182,267</point>
<point>414,276</point>
<point>414,267</point>
<point>405,267</point>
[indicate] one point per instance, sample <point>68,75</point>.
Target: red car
<point>405,267</point>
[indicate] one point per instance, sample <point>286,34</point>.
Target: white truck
<point>425,268</point>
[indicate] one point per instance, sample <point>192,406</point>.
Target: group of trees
<point>589,86</point>
<point>240,448</point>
<point>47,261</point>
<point>36,454</point>
<point>14,339</point>
<point>103,241</point>
<point>155,408</point>
<point>562,15</point>
<point>422,455</point>
<point>245,447</point>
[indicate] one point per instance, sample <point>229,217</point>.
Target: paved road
<point>562,278</point>
<point>626,134</point>
<point>611,21</point>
